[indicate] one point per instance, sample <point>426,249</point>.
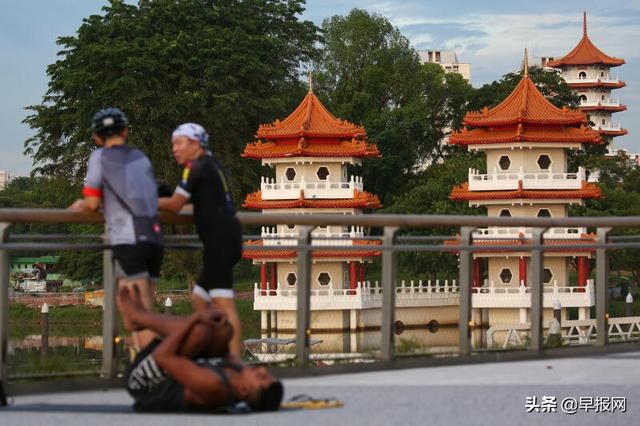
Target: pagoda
<point>526,140</point>
<point>310,152</point>
<point>588,70</point>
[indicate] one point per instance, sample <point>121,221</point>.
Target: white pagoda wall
<point>527,159</point>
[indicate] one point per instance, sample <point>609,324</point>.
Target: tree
<point>228,64</point>
<point>368,74</point>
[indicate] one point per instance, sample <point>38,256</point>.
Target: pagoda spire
<point>526,63</point>
<point>310,78</point>
<point>584,23</point>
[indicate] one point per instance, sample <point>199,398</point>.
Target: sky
<point>491,35</point>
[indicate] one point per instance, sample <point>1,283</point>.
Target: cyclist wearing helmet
<point>205,183</point>
<point>121,179</point>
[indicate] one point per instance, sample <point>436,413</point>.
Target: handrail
<point>12,215</point>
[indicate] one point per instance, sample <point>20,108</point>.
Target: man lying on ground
<point>191,368</point>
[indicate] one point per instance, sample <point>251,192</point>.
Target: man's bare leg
<point>145,290</point>
<point>228,305</point>
<point>208,338</point>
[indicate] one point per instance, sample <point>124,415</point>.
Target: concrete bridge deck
<point>472,394</point>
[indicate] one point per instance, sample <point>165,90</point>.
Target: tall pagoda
<point>526,140</point>
<point>310,151</point>
<point>588,70</point>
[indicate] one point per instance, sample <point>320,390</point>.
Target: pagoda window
<point>544,213</point>
<point>602,74</point>
<point>602,97</point>
<point>292,279</point>
<point>506,275</point>
<point>322,173</point>
<point>603,121</point>
<point>544,162</point>
<point>290,173</point>
<point>582,75</point>
<point>291,227</point>
<point>324,279</point>
<point>504,162</point>
<point>505,213</point>
<point>547,275</point>
<point>583,98</point>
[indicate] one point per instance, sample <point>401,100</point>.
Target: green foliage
<point>369,74</point>
<point>228,65</point>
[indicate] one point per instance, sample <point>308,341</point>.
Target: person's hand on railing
<point>78,205</point>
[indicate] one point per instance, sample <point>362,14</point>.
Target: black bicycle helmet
<point>109,121</point>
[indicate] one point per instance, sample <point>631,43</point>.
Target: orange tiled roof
<point>361,200</point>
<point>462,193</point>
<point>302,148</point>
<point>524,105</point>
<point>286,253</point>
<point>599,83</point>
<point>608,108</point>
<point>310,119</point>
<point>586,53</point>
<point>620,132</point>
<point>526,133</point>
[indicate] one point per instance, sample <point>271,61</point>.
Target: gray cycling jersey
<point>127,171</point>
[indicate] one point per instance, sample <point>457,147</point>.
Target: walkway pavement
<point>480,394</point>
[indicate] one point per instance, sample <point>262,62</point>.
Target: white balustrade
<point>365,296</point>
<point>271,237</point>
<point>504,181</point>
<point>606,80</point>
<point>609,127</point>
<point>492,296</point>
<point>605,103</point>
<point>500,232</point>
<point>321,189</point>
<point>421,294</point>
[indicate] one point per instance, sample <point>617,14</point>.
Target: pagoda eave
<point>605,108</point>
<point>522,138</point>
<point>462,193</point>
<point>485,122</point>
<point>620,132</point>
<point>361,200</point>
<point>595,84</point>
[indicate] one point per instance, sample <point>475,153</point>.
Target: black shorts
<point>134,261</point>
<point>221,252</point>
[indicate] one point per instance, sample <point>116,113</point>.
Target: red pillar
<point>477,276</point>
<point>522,271</point>
<point>274,278</point>
<point>353,275</point>
<point>263,278</point>
<point>583,270</point>
<point>361,278</point>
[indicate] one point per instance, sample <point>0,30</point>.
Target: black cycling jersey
<point>205,182</point>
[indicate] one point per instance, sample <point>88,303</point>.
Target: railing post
<point>4,311</point>
<point>303,314</point>
<point>602,294</point>
<point>537,290</point>
<point>465,280</point>
<point>389,261</point>
<point>110,316</point>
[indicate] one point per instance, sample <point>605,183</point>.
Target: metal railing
<point>385,295</point>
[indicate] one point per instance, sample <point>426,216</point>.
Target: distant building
<point>5,178</point>
<point>448,60</point>
<point>587,70</point>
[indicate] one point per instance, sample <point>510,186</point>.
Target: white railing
<point>609,127</point>
<point>520,297</point>
<point>621,329</point>
<point>421,294</point>
<point>606,103</point>
<point>606,80</point>
<point>273,190</point>
<point>523,232</point>
<point>366,295</point>
<point>271,237</point>
<point>497,181</point>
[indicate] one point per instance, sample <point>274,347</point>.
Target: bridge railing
<point>391,244</point>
